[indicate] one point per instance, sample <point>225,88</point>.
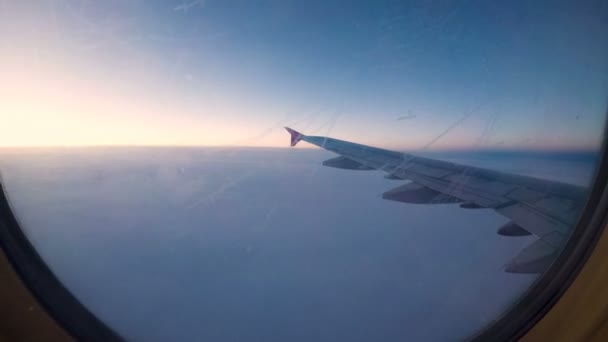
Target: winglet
<point>295,136</point>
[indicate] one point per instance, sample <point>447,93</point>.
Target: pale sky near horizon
<point>455,75</point>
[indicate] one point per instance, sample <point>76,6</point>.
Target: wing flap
<point>345,163</point>
<point>459,190</point>
<point>418,194</point>
<point>533,220</point>
<point>429,171</point>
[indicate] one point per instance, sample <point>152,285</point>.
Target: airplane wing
<point>544,208</point>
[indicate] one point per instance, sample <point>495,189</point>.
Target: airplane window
<point>300,170</point>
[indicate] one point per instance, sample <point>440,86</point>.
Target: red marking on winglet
<point>295,136</point>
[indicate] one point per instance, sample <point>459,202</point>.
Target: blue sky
<point>523,75</point>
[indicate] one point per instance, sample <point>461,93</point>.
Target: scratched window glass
<point>300,170</point>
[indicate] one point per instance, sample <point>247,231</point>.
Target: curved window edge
<point>539,299</point>
<point>69,313</point>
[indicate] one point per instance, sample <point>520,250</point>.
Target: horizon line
<point>576,150</point>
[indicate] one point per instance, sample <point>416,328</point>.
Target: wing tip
<point>295,136</point>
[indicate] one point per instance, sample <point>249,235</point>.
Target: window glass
<point>144,154</point>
